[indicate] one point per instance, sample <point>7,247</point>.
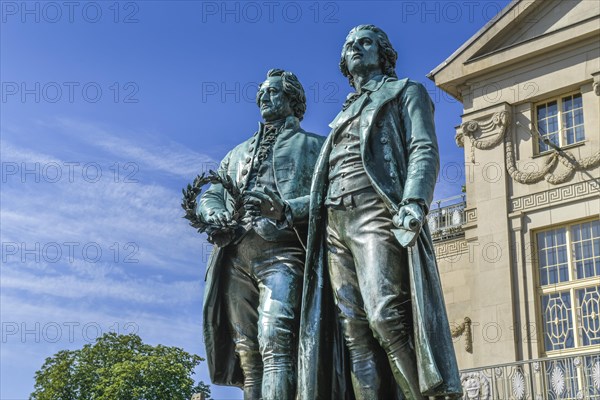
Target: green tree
<point>119,367</point>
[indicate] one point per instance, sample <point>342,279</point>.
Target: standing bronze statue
<point>371,271</point>
<point>254,280</point>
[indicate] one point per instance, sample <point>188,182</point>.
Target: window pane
<point>588,266</point>
<point>589,311</point>
<point>570,134</point>
<point>575,309</point>
<point>553,125</point>
<point>541,112</point>
<point>586,249</point>
<point>568,120</point>
<point>552,250</point>
<point>563,273</point>
<point>567,103</point>
<point>577,251</point>
<point>586,230</point>
<point>579,269</point>
<point>579,134</point>
<point>571,117</point>
<point>543,258</point>
<point>578,115</point>
<point>552,258</point>
<point>577,101</point>
<point>561,237</point>
<point>542,127</point>
<point>558,326</point>
<point>575,234</point>
<point>562,254</point>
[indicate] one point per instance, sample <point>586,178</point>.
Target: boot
<point>404,367</point>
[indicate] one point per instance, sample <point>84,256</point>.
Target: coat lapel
<point>351,112</point>
<point>379,98</point>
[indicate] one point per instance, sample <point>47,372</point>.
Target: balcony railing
<point>566,378</point>
<point>446,217</point>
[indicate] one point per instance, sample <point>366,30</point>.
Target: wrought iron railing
<point>565,378</point>
<point>446,217</point>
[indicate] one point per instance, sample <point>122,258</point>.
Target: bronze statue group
<point>314,293</point>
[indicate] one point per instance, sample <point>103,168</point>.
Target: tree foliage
<point>118,367</point>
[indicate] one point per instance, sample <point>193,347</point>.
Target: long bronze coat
<point>400,156</point>
<point>293,158</point>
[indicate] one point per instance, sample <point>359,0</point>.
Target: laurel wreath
<point>216,233</point>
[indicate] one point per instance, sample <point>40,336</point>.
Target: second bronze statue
<point>254,283</point>
<point>374,323</point>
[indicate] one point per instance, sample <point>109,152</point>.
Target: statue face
<point>272,101</point>
<point>361,52</point>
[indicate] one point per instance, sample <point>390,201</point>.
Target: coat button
<point>253,141</point>
<point>387,157</point>
<point>241,184</point>
<point>251,149</point>
<point>248,159</point>
<point>244,171</point>
<point>379,124</point>
<point>384,140</point>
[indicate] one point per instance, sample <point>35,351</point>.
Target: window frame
<point>572,285</point>
<point>562,139</point>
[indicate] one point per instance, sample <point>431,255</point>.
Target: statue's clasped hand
<point>267,204</point>
<point>221,227</point>
<point>408,220</point>
<point>410,217</point>
<point>220,219</point>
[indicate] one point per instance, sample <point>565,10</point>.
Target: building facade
<point>520,259</point>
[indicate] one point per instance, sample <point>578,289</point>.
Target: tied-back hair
<point>293,90</point>
<point>387,54</point>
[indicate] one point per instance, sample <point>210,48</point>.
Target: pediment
<point>536,21</point>
<point>523,30</point>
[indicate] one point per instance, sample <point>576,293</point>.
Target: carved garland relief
<point>497,127</point>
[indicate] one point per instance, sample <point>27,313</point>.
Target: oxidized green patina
<point>254,278</point>
<point>373,320</point>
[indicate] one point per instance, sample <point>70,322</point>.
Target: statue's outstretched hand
<point>267,204</point>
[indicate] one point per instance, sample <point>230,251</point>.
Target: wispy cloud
<point>104,212</point>
<point>170,157</point>
<point>160,292</point>
<point>53,233</point>
<point>74,286</point>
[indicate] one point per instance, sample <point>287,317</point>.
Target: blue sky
<point>109,108</point>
